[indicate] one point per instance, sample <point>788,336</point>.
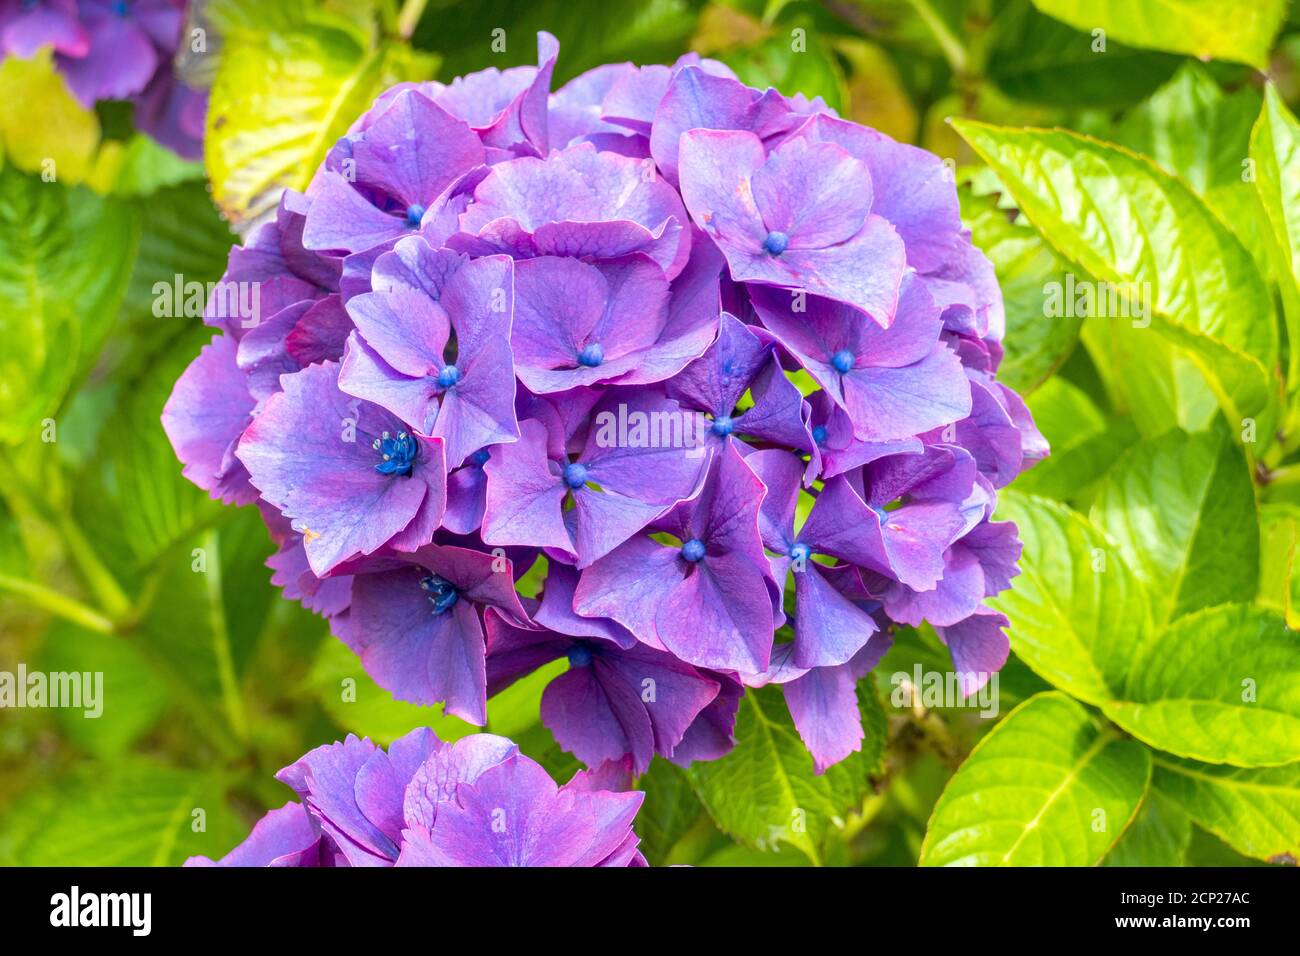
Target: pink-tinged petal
<point>717,169</point>
<point>575,108</point>
<point>511,815</point>
<point>710,734</point>
<point>119,62</point>
<point>434,782</point>
<point>415,150</point>
<point>311,453</point>
<point>837,271</point>
<point>287,836</point>
<point>381,782</point>
<point>326,778</point>
<point>208,410</point>
<point>53,24</point>
<point>367,376</point>
<point>408,330</point>
<point>979,647</point>
<point>704,97</point>
<point>891,404</point>
<point>913,189</point>
<point>824,705</point>
<point>954,597</point>
<point>815,193</point>
<point>320,335</point>
<point>556,611</point>
<point>577,202</point>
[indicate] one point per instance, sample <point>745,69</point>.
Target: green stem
<point>231,698</point>
<point>47,599</point>
<point>112,599</point>
<point>409,18</point>
<point>98,578</point>
<point>952,47</point>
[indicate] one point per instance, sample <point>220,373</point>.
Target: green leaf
<point>1150,379</point>
<point>1195,131</point>
<point>1207,29</point>
<point>1257,812</point>
<point>1221,686</point>
<point>64,261</point>
<point>765,792</point>
<point>360,706</point>
<point>132,697</point>
<point>132,814</point>
<point>1077,611</point>
<point>1046,787</point>
<point>1159,836</point>
<point>669,810</point>
<point>461,32</point>
<point>1036,344</point>
<point>1121,220</point>
<point>1279,578</point>
<point>181,235</point>
<point>1275,148</point>
<point>812,71</point>
<point>282,96</point>
<point>1182,511</point>
<point>134,502</point>
<point>1034,58</point>
<point>1084,444</point>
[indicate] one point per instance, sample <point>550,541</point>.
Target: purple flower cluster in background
<point>115,50</point>
<point>475,802</point>
<point>722,360</point>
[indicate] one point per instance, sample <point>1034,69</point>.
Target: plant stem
<point>47,599</point>
<point>952,47</point>
<point>231,698</point>
<point>409,18</point>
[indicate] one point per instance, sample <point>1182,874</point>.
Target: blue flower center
<point>843,361</point>
<point>121,8</point>
<point>722,426</point>
<point>591,355</point>
<point>776,242</point>
<point>800,553</point>
<point>575,475</point>
<point>448,377</point>
<point>819,434</point>
<point>579,655</point>
<point>397,454</point>
<point>480,457</point>
<point>442,593</point>
<point>414,213</point>
<point>693,550</point>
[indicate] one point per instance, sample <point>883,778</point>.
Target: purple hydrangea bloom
<point>352,476</point>
<point>115,50</point>
<point>690,385</point>
<point>475,802</point>
<point>400,356</point>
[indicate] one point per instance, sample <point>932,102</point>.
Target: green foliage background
<point>1150,713</point>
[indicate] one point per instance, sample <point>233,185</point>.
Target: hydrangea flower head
<point>475,802</point>
<point>114,50</point>
<point>689,386</point>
